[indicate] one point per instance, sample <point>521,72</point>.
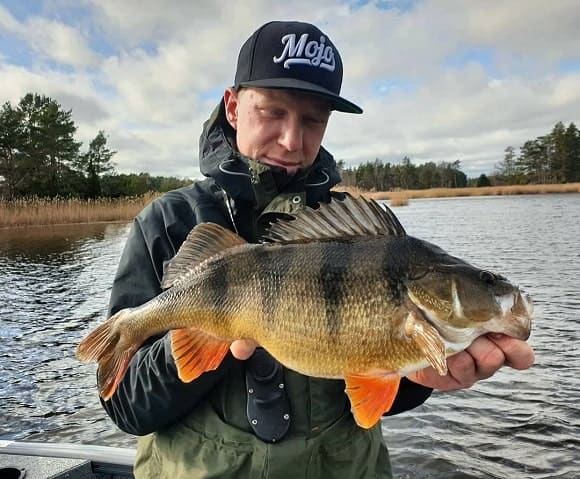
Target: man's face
<point>277,127</point>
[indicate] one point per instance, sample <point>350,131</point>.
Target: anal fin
<point>371,396</point>
<point>196,352</point>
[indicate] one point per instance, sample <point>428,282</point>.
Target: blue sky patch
<point>482,56</point>
<point>385,87</point>
<point>15,51</point>
<point>100,44</point>
<point>569,66</point>
<point>215,94</point>
<point>401,5</point>
<point>22,10</point>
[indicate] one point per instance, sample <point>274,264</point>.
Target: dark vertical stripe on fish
<point>274,277</point>
<point>392,271</point>
<point>333,282</point>
<point>217,288</point>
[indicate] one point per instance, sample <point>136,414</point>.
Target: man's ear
<point>231,104</point>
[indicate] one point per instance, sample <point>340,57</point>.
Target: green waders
<point>215,440</point>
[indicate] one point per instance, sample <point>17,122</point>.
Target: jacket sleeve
<point>409,396</point>
<point>151,396</point>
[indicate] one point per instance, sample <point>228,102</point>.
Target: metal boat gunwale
<point>104,460</point>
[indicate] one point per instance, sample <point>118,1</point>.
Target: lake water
<point>55,283</point>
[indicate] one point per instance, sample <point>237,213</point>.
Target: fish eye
<point>487,277</point>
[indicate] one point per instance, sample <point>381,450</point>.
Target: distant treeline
<point>40,157</point>
<point>379,176</point>
<point>550,159</point>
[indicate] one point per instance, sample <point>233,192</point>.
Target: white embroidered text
<point>316,54</point>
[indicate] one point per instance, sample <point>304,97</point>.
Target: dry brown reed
<point>399,197</point>
<point>39,211</point>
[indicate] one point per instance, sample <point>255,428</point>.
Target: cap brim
<point>337,102</point>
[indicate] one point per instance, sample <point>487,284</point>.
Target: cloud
<point>438,80</point>
<point>72,91</point>
<point>532,28</point>
<point>50,39</point>
<point>58,42</point>
<point>462,115</point>
<point>7,22</point>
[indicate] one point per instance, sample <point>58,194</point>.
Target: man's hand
<point>243,348</point>
<point>479,361</point>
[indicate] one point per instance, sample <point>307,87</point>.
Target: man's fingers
<point>479,361</point>
<point>463,369</point>
<point>488,357</point>
<point>518,354</point>
<point>243,348</point>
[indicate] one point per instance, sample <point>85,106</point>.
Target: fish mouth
<point>514,319</point>
<point>519,316</point>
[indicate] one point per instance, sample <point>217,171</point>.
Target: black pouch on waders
<point>268,408</point>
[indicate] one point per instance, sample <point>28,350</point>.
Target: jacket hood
<point>244,179</point>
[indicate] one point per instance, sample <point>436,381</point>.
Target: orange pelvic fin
<point>102,345</point>
<point>196,352</point>
<point>371,396</point>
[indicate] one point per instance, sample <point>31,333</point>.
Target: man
<point>262,155</point>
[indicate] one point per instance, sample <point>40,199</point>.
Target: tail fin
<point>102,345</point>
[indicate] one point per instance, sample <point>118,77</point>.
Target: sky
<point>439,80</point>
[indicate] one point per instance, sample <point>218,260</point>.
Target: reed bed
<point>40,211</point>
<point>402,197</point>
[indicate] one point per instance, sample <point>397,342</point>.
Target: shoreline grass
<point>39,212</point>
<point>58,211</point>
<point>402,197</point>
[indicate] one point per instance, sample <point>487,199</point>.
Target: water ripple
<point>518,424</point>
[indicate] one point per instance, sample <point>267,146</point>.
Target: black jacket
<point>241,195</point>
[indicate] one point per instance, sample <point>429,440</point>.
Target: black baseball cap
<point>293,56</point>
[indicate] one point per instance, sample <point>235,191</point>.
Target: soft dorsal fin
<point>204,241</point>
<point>337,219</point>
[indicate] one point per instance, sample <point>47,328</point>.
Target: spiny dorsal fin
<point>337,219</point>
<point>203,242</point>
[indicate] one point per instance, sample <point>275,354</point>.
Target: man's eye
<point>271,112</point>
<point>315,120</point>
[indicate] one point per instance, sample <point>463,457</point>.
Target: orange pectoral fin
<point>429,341</point>
<point>371,396</point>
<point>196,352</point>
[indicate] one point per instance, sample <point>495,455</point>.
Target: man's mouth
<point>289,166</point>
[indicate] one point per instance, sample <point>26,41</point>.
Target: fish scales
<point>340,292</point>
<point>326,304</point>
<point>329,306</point>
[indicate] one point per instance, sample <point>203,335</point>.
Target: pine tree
<point>11,151</point>
<point>557,153</point>
<point>572,157</point>
<point>49,145</point>
<point>95,163</point>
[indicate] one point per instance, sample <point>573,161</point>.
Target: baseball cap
<point>293,56</point>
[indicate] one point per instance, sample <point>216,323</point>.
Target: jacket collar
<point>250,181</point>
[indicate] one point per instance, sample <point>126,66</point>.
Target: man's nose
<point>291,136</point>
